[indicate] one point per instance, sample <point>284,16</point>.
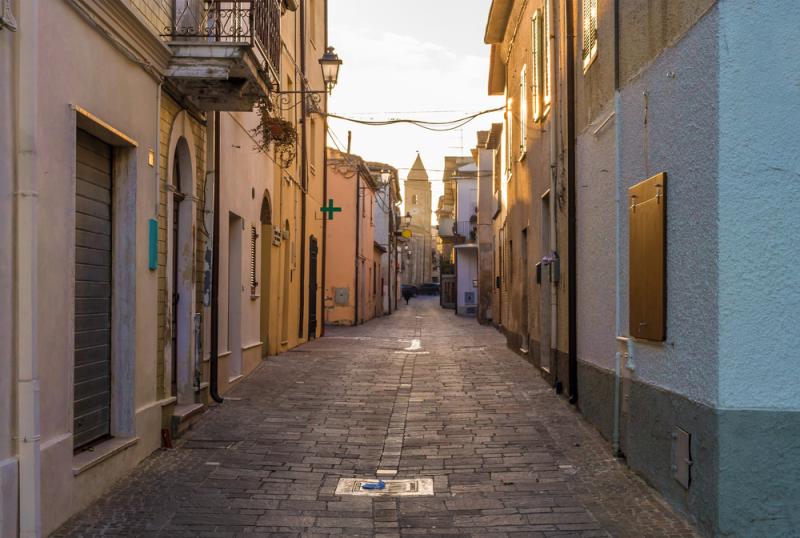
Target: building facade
<point>151,169</point>
<point>353,275</point>
<point>387,231</point>
<point>652,156</point>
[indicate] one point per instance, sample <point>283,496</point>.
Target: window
<point>253,238</point>
<point>589,32</point>
<point>414,200</point>
<point>523,111</point>
<point>536,61</point>
<point>507,139</point>
<point>547,14</point>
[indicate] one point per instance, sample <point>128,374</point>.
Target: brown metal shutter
<point>92,400</point>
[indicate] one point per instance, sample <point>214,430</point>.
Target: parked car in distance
<point>429,288</point>
<point>410,288</point>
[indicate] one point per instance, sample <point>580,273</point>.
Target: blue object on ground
<point>380,484</point>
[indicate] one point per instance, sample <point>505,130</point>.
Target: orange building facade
<point>353,264</point>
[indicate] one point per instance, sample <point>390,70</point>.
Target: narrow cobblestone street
<point>421,391</point>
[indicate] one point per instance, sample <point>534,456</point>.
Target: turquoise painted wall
<point>759,204</point>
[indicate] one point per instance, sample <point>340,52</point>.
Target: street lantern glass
<point>330,63</point>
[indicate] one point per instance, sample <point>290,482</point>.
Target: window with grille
<point>536,62</point>
<point>589,32</point>
<point>253,238</point>
<point>523,111</point>
<point>547,56</point>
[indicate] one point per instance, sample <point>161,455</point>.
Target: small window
<point>536,61</point>
<point>589,32</point>
<point>414,199</point>
<point>507,139</point>
<point>523,111</point>
<point>547,62</point>
<point>253,239</point>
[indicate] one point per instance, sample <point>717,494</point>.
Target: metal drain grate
<point>394,488</point>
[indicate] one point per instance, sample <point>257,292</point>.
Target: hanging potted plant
<point>274,132</point>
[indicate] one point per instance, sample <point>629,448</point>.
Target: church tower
<point>417,201</point>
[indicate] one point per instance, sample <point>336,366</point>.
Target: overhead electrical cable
<point>440,126</point>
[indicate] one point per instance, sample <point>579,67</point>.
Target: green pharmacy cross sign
<point>330,209</point>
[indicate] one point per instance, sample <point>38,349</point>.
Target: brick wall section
<point>169,110</point>
<point>156,13</point>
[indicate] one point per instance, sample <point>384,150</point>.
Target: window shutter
<point>547,56</point>
<point>589,32</point>
<point>537,65</point>
<point>523,111</point>
<point>253,237</point>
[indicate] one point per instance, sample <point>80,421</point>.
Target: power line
<point>430,125</point>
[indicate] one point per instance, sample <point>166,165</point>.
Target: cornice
<point>119,22</point>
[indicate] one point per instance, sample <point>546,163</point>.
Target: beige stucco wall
<point>82,68</point>
<point>245,175</point>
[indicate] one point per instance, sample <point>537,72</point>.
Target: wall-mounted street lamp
<point>330,63</point>
<point>407,220</point>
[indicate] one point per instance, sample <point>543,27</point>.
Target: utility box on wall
<point>341,296</point>
<point>647,218</point>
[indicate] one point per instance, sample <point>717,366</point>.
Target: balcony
<point>467,229</point>
<point>225,54</point>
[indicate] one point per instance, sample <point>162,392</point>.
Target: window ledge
<point>83,461</point>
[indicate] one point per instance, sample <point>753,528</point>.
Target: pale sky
<point>420,59</point>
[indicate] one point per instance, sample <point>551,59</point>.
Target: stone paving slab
<point>422,392</point>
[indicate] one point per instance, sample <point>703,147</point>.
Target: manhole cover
<point>395,488</point>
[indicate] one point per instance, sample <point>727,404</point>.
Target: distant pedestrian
<point>407,294</point>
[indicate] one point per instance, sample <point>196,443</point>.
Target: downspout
<point>554,263</point>
<point>358,244</point>
<point>572,269</point>
<point>618,356</point>
<point>213,381</point>
<point>303,170</point>
<point>324,187</point>
<point>25,267</point>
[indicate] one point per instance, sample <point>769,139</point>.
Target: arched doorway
<point>179,347</point>
<point>266,275</point>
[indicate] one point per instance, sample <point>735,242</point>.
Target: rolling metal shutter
<point>92,400</point>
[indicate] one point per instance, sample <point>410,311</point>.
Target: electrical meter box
<point>341,296</point>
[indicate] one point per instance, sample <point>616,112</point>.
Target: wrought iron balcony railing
<point>467,229</point>
<point>254,23</point>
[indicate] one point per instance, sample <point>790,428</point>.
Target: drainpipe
<point>324,188</point>
<point>553,254</point>
<point>303,170</point>
<point>572,293</point>
<point>358,243</point>
<point>615,434</point>
<point>213,381</point>
<point>25,263</point>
